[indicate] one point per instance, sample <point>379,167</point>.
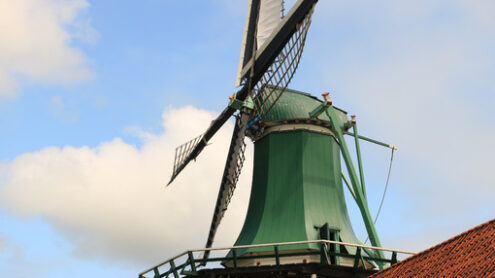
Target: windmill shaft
<point>219,121</point>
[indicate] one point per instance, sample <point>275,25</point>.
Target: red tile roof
<point>470,254</point>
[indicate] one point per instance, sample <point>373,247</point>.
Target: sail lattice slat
<point>234,178</point>
<point>278,76</point>
<point>182,152</point>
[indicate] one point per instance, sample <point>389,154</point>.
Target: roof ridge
<point>433,248</point>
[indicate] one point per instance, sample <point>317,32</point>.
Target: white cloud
<point>111,201</point>
<point>36,43</point>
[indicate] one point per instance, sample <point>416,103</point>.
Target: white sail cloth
<point>268,20</point>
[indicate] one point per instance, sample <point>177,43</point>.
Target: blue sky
<point>95,95</point>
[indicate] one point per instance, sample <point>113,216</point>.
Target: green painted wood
<point>297,184</point>
<point>360,163</point>
<point>297,105</point>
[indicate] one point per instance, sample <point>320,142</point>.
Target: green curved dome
<point>294,105</point>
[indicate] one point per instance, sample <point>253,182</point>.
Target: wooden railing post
<point>394,258</point>
<point>277,258</point>
<point>173,269</point>
<point>234,259</point>
<point>356,258</point>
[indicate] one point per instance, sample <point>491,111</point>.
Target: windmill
<point>270,54</point>
<point>297,189</point>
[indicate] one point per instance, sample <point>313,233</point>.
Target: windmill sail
<point>263,17</point>
<point>280,70</point>
<point>247,45</point>
<point>276,79</point>
<point>269,18</point>
<point>232,171</point>
<point>191,149</point>
<point>275,62</point>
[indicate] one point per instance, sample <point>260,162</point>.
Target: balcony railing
<point>186,264</point>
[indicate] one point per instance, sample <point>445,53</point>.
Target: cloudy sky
<point>95,95</point>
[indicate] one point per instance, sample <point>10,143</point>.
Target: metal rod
<point>360,162</point>
<point>391,146</point>
<point>346,181</point>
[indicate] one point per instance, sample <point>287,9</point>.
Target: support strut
<point>356,184</point>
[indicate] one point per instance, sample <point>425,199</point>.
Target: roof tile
<point>470,254</point>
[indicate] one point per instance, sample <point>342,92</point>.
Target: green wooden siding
<point>296,185</point>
